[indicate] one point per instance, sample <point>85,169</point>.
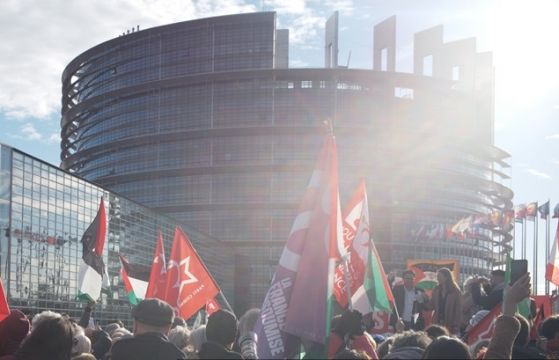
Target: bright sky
<point>39,37</point>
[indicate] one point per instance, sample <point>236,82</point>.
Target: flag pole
<point>524,255</point>
<point>347,283</point>
<point>535,256</point>
<point>547,221</point>
<point>224,299</point>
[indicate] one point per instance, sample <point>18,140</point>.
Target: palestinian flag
<point>135,278</point>
<point>92,277</point>
<point>426,271</point>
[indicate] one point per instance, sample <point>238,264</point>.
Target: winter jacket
<point>147,346</point>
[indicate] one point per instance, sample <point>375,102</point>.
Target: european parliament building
<point>44,212</point>
<point>204,121</point>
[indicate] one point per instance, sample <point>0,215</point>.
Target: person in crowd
<point>434,331</point>
<point>495,295</point>
<point>13,329</point>
<point>111,327</point>
<point>178,321</point>
<point>446,347</point>
<point>507,326</point>
<point>221,331</point>
<point>384,347</point>
<point>348,333</point>
<point>409,301</point>
<point>42,316</point>
<point>121,333</point>
<point>197,338</point>
<point>179,336</point>
<point>84,321</point>
<point>246,340</point>
<point>469,308</point>
<point>152,321</point>
<point>80,343</point>
<point>408,345</point>
<point>521,348</point>
<point>51,339</point>
<point>100,343</point>
<point>446,302</point>
<point>351,355</point>
<point>549,337</point>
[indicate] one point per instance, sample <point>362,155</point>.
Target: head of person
<point>434,331</point>
<point>408,345</point>
<point>550,328</point>
<point>350,323</point>
<point>179,336</point>
<point>111,327</point>
<point>178,321</point>
<point>523,337</point>
<point>497,277</point>
<point>409,277</point>
<point>80,342</point>
<point>446,279</point>
<point>222,328</point>
<point>51,339</point>
<point>152,315</point>
<point>120,334</point>
<point>42,316</point>
<point>446,347</point>
<point>13,329</point>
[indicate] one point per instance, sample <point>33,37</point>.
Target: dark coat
<point>212,350</point>
<point>148,346</point>
<point>399,298</point>
<point>489,301</point>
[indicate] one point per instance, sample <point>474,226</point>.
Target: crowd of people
<point>158,334</point>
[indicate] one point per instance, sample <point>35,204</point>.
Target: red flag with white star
<point>189,283</point>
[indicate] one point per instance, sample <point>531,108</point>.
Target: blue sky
<point>39,37</point>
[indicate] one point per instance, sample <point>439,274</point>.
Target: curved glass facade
<point>194,120</point>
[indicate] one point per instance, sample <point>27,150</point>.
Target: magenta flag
<point>296,303</point>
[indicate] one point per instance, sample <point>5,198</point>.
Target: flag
<point>158,274</point>
<point>462,226</point>
<point>135,278</point>
<point>520,212</point>
<point>4,307</point>
<point>544,210</point>
<point>93,277</point>
<point>556,211</point>
<point>496,217</point>
<point>296,302</point>
<point>426,271</point>
<point>375,294</point>
<point>189,283</point>
<point>212,306</point>
<point>484,329</point>
<point>506,222</point>
<point>532,210</point>
<point>552,269</point>
<point>356,237</point>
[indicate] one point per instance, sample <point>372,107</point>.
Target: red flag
<point>158,275</point>
<point>484,329</point>
<point>552,269</point>
<point>4,308</point>
<point>212,306</point>
<point>189,283</point>
<point>356,245</point>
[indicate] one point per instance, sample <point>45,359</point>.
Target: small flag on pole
<point>544,210</point>
<point>92,278</point>
<point>552,269</point>
<point>556,211</point>
<point>520,212</point>
<point>532,210</point>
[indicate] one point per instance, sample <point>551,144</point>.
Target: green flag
<point>375,283</point>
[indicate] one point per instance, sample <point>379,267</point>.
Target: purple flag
<point>296,301</point>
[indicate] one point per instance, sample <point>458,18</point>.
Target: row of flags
<point>530,211</point>
<point>184,282</point>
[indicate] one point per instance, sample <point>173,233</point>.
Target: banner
<point>426,271</point>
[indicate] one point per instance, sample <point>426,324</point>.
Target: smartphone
<point>517,269</point>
